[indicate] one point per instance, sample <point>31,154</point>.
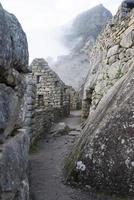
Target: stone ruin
<point>75,99</point>
<point>51,91</point>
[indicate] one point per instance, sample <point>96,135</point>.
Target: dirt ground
<point>47,164</point>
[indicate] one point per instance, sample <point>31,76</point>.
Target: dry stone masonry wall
<point>30,105</point>
<point>75,99</point>
<point>51,91</point>
<point>111,58</point>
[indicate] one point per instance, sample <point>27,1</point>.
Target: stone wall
<point>110,59</point>
<point>75,100</point>
<point>30,106</point>
<point>43,121</point>
<point>51,91</point>
<point>103,158</point>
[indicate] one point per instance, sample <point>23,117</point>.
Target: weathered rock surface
<point>14,167</point>
<point>13,66</point>
<point>14,150</point>
<point>14,51</point>
<point>80,38</point>
<point>104,156</point>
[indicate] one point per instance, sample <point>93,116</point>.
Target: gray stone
<point>127,39</point>
<point>13,68</point>
<point>14,165</point>
<point>60,129</point>
<point>122,55</point>
<point>129,52</point>
<point>19,43</point>
<point>113,51</point>
<point>9,106</point>
<point>112,59</point>
<point>13,45</point>
<point>114,69</point>
<point>108,138</point>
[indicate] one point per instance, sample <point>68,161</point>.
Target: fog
<point>42,21</point>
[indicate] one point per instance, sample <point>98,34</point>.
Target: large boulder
<point>15,148</point>
<point>14,167</point>
<point>106,148</point>
<point>104,156</point>
<point>13,45</point>
<point>13,67</point>
<point>8,109</point>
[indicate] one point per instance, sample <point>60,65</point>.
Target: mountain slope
<point>73,68</point>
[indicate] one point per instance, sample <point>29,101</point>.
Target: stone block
<point>113,51</point>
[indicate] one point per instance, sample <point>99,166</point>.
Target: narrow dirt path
<point>47,164</point>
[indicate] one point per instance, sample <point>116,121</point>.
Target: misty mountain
<point>79,38</point>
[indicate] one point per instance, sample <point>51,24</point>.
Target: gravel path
<point>47,164</point>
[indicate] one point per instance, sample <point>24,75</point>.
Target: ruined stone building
<point>75,100</point>
<point>51,91</point>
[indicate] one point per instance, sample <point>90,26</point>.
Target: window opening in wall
<point>40,100</point>
<point>61,98</point>
<point>38,78</point>
<point>56,83</point>
<point>65,89</point>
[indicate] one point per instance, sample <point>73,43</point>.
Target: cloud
<point>40,20</point>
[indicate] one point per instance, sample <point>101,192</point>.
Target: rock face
<point>80,38</point>
<point>104,156</point>
<point>88,25</point>
<point>14,141</point>
<point>14,161</point>
<point>13,66</point>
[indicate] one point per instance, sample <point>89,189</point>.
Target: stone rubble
<point>60,129</point>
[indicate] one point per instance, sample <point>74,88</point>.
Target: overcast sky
<point>40,19</point>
